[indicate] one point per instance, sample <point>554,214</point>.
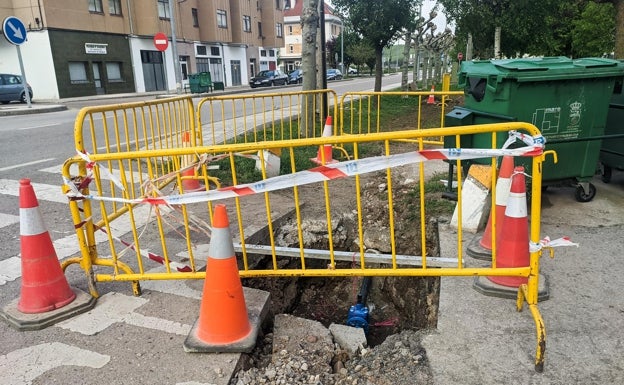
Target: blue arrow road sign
<point>14,30</point>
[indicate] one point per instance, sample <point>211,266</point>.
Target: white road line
<point>8,220</point>
<point>41,126</point>
<point>67,246</point>
<point>73,170</point>
<point>10,270</point>
<point>23,366</point>
<point>45,192</point>
<point>26,164</point>
<point>173,286</point>
<point>113,308</point>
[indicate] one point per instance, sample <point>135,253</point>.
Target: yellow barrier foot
<point>486,287</point>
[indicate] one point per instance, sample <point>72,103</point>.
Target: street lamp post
<point>342,47</point>
<point>174,49</point>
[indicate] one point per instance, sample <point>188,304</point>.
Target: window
<point>263,52</point>
<point>201,50</point>
<point>195,17</point>
<point>279,30</point>
<point>221,18</point>
<point>163,9</point>
<point>290,30</point>
<point>214,51</point>
<point>95,6</point>
<point>78,72</point>
<point>114,7</point>
<point>272,53</point>
<point>277,4</point>
<point>291,48</point>
<point>247,23</point>
<point>260,30</point>
<point>286,4</point>
<point>113,71</point>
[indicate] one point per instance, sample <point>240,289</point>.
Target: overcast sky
<point>440,20</point>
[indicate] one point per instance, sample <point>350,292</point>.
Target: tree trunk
<point>378,68</point>
<point>497,43</point>
<point>619,28</point>
<point>309,24</point>
<point>404,67</point>
<point>469,48</point>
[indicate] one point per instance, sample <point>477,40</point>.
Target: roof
<point>296,9</point>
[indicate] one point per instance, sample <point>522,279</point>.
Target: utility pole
<point>323,58</point>
<point>174,49</point>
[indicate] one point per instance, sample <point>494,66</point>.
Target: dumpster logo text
<point>575,116</point>
<point>547,120</point>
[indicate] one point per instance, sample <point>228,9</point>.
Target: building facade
<point>88,47</point>
<point>290,53</point>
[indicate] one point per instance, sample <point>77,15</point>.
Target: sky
<point>440,20</point>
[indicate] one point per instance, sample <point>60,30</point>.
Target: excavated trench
<point>394,303</point>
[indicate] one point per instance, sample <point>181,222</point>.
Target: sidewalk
<point>483,340</point>
<point>59,105</point>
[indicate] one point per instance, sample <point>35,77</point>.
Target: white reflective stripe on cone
<point>516,205</point>
<point>503,187</point>
<point>31,222</point>
<point>221,246</point>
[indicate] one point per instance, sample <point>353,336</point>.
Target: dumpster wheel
<point>605,172</point>
<point>583,194</point>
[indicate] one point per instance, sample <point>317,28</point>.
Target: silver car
<point>11,89</point>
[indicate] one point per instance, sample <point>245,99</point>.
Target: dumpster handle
<point>553,153</point>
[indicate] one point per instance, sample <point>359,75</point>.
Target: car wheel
<point>271,84</point>
<point>23,97</point>
<point>299,81</point>
<point>5,102</point>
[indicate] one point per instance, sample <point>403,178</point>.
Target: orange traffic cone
<point>513,242</point>
<point>224,324</point>
<point>324,154</point>
<point>431,99</point>
<point>189,181</point>
<point>44,287</point>
<point>513,247</point>
<point>482,249</point>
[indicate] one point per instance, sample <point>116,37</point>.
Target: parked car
<point>352,71</point>
<point>11,88</point>
<point>268,78</point>
<point>333,74</point>
<point>295,76</point>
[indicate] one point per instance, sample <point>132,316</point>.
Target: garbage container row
<point>568,100</point>
<point>202,82</point>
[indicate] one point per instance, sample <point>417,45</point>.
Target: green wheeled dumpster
<point>566,99</point>
<point>205,82</point>
<point>612,150</point>
<point>194,83</point>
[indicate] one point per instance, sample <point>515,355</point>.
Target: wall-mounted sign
<point>95,48</point>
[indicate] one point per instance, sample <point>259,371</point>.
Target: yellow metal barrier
<point>265,116</point>
<point>123,237</point>
<point>368,112</point>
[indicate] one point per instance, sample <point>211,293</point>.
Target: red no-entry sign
<point>160,41</point>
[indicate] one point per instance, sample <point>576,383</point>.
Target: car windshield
<point>265,73</point>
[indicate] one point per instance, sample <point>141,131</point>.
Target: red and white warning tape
<point>546,243</point>
<point>534,146</point>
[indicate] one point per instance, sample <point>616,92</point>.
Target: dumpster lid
<point>544,69</point>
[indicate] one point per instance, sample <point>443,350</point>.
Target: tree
<point>379,22</point>
<point>309,23</point>
<point>593,34</point>
<point>544,27</point>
